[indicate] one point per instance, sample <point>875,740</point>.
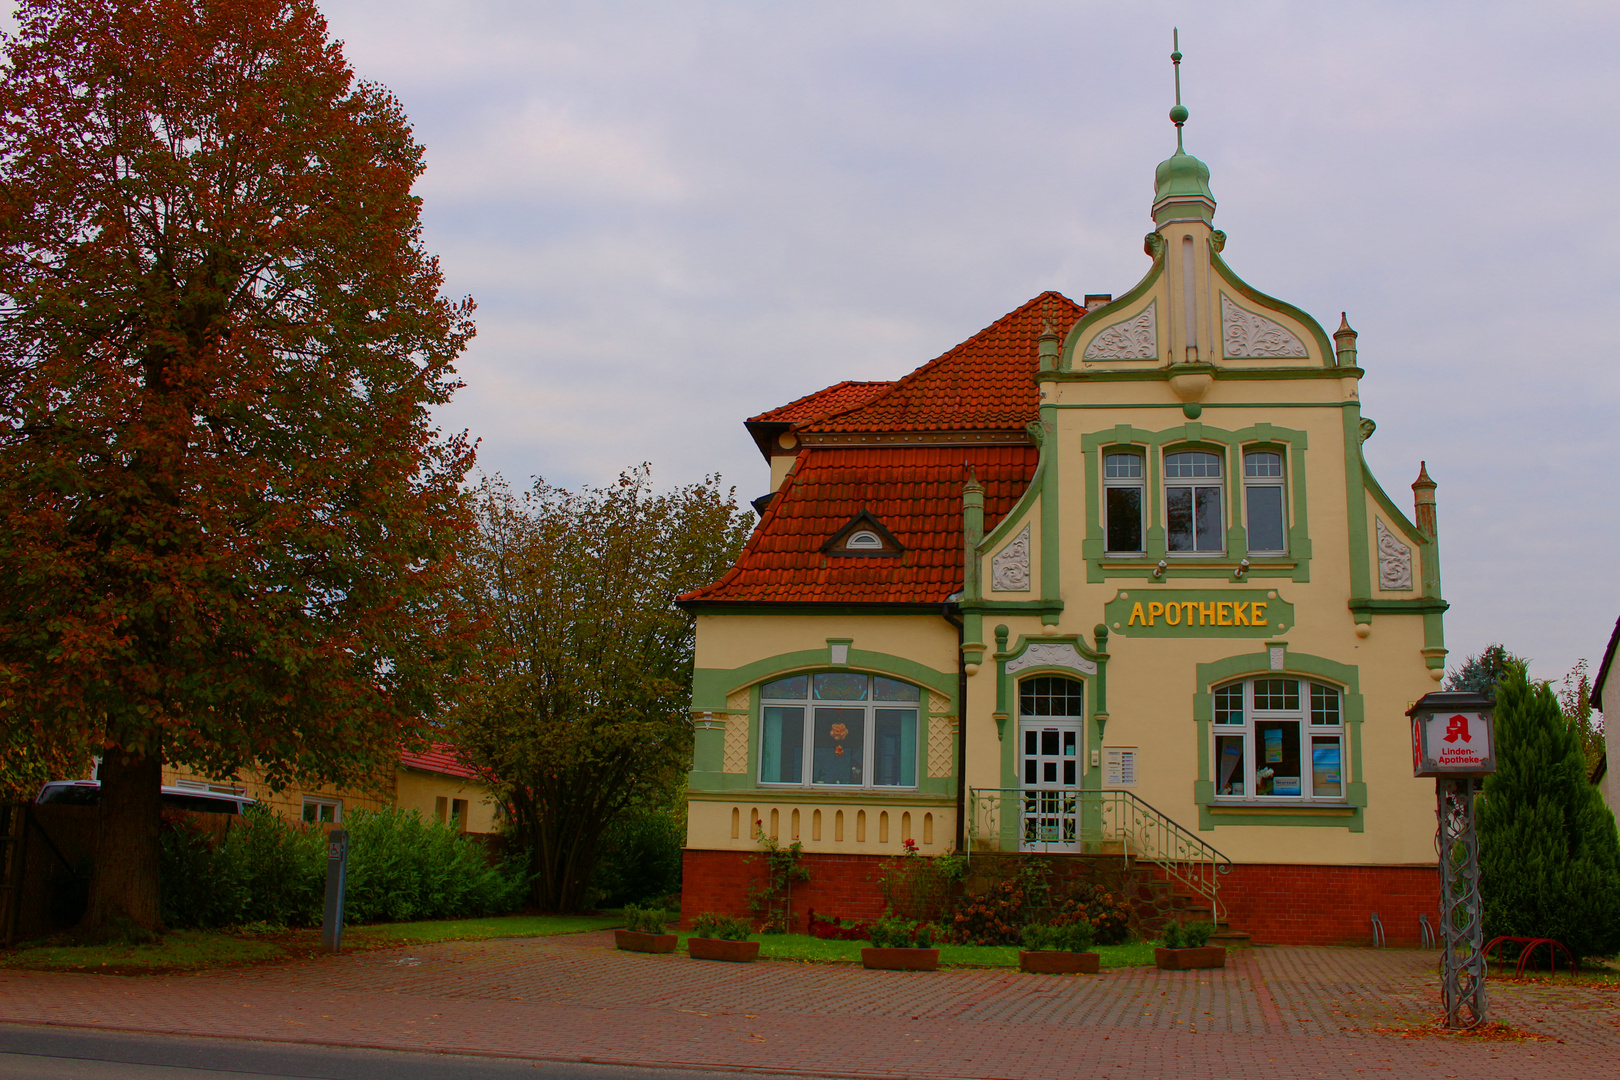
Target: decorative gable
<point>1246,335</point>
<point>864,535</point>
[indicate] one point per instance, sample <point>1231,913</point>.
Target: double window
<point>1280,739</point>
<point>839,729</point>
<point>1194,502</point>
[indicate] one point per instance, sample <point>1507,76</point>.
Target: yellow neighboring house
<point>434,782</point>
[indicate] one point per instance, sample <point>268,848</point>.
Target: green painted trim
<point>1051,551</point>
<point>1230,444</point>
<point>1356,503</point>
<point>1133,615</point>
<point>710,686</point>
<point>1096,697</point>
<point>1296,664</point>
<point>1234,374</point>
<point>1255,296</point>
<point>1176,405</point>
<point>1013,607</point>
<point>1349,818</point>
<point>817,795</point>
<point>1418,606</point>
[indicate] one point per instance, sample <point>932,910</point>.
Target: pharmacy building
<point>1110,580</point>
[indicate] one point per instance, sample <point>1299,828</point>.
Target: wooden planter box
<point>1059,963</point>
<point>709,948</point>
<point>1210,956</point>
<point>635,941</point>
<point>900,959</point>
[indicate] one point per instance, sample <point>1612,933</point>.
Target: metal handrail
<point>1075,820</point>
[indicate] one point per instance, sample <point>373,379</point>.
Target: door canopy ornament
<point>1058,654</point>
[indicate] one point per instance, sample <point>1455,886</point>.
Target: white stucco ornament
<point>1059,654</point>
<point>1394,561</point>
<point>1246,334</point>
<point>1131,339</point>
<point>1009,570</point>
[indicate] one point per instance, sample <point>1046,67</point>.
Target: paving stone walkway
<point>1271,1012</point>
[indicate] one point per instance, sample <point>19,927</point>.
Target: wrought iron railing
<point>1106,823</point>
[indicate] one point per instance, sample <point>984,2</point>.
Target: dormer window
<point>863,535</point>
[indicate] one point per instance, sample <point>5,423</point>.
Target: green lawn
<point>816,950</point>
<point>194,950</point>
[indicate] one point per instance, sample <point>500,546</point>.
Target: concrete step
<point>1231,939</point>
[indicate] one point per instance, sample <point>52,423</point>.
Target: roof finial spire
<point>1178,112</point>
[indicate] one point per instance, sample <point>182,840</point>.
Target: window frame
<point>316,802</point>
<point>1310,703</point>
<point>1140,484</point>
<point>1217,483</point>
<point>1279,482</point>
<point>871,707</point>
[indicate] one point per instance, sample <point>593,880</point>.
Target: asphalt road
<point>30,1052</point>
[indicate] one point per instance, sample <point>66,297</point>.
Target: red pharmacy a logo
<point>1457,728</point>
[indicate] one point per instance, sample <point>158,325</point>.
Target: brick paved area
<point>1296,1012</point>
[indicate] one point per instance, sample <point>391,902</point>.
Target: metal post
<point>1462,961</point>
<point>337,872</point>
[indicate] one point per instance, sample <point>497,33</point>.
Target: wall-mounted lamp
<point>1242,568</point>
<point>1158,571</point>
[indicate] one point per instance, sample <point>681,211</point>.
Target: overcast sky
<point>674,215</point>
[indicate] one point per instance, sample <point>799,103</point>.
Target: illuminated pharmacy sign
<point>1153,612</point>
<point>1452,735</point>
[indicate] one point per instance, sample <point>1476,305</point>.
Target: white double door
<point>1050,750</point>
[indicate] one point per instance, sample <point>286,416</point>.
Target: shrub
<point>1070,937</point>
<point>1549,853</point>
<point>641,859</point>
<point>895,933</point>
<point>1108,915</point>
<point>645,920</point>
<point>1196,934</point>
<point>267,871</point>
<point>724,927</point>
<point>1171,938</point>
<point>917,887</point>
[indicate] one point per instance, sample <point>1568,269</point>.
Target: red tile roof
<point>985,383</point>
<point>836,398</point>
<point>442,758</point>
<point>915,491</point>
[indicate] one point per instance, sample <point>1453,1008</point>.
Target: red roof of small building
<point>985,383</point>
<point>834,399</point>
<point>442,758</point>
<point>915,491</point>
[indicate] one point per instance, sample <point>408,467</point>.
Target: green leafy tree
<point>227,513</point>
<point>1549,851</point>
<point>1575,699</point>
<point>576,706</point>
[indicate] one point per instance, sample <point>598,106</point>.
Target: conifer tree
<point>1549,852</point>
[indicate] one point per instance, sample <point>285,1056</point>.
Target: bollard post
<point>337,872</point>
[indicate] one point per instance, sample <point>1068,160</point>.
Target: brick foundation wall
<point>1282,904</point>
<point>1277,904</point>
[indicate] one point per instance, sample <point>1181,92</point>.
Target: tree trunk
<point>124,889</point>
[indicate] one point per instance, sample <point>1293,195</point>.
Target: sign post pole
<point>337,872</point>
<point>1453,741</point>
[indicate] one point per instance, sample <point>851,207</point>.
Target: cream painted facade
<point>1191,360</point>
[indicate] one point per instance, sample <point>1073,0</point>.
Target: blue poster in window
<point>1285,785</point>
<point>1325,767</point>
<point>1273,737</point>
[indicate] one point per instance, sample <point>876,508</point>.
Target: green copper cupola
<point>1181,181</point>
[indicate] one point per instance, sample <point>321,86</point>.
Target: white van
<point>88,793</point>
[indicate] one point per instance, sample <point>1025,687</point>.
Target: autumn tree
<point>576,708</point>
<point>226,512</point>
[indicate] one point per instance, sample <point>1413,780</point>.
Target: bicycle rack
<point>1428,931</point>
<point>1378,932</point>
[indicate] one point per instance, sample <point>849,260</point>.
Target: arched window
<point>1279,739</point>
<point>1263,501</point>
<point>1122,501</point>
<point>839,729</point>
<point>865,540</point>
<point>1194,521</point>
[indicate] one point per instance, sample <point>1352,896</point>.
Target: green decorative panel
<point>1198,613</point>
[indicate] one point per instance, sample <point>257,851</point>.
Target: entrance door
<point>1050,743</point>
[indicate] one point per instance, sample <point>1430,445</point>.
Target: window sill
<point>1263,809</point>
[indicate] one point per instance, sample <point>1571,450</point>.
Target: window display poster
<point>1285,785</point>
<point>1325,766</point>
<point>1273,738</point>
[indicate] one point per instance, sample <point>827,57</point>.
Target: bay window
<point>1279,739</point>
<point>839,729</point>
